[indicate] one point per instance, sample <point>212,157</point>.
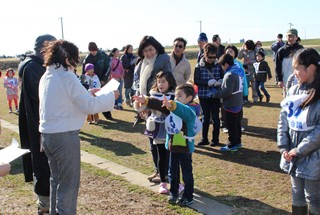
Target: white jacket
<point>182,71</point>
<point>64,102</point>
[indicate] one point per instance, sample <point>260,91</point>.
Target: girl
<point>12,84</point>
<point>163,88</point>
<point>298,133</point>
<point>64,104</point>
<point>117,73</point>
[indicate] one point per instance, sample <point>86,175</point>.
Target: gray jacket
<point>301,133</point>
<point>162,63</point>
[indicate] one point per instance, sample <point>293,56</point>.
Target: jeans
<point>118,101</point>
<point>185,161</point>
<point>233,121</point>
<point>63,151</point>
<point>128,92</point>
<point>306,191</point>
<point>263,89</point>
<point>210,108</point>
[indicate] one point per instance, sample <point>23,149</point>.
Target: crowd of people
<point>54,104</point>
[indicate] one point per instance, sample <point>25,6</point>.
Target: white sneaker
<point>224,130</point>
<point>242,128</point>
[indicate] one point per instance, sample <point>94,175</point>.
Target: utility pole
<point>200,26</point>
<point>61,27</point>
<point>290,25</point>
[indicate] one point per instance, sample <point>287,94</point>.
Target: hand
<point>281,85</point>
<point>211,82</point>
<point>218,83</point>
<point>4,169</point>
<point>139,99</point>
<point>166,103</point>
<point>287,156</point>
<point>116,94</point>
<point>293,152</point>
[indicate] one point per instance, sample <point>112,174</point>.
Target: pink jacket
<point>117,72</point>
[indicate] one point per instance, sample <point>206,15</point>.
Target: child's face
<point>304,74</point>
<point>162,85</point>
<point>180,96</point>
<point>231,52</point>
<point>117,53</point>
<point>259,57</point>
<point>90,71</point>
<point>10,74</point>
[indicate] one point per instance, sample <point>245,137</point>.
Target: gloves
<point>212,93</point>
<point>211,82</point>
<point>218,83</point>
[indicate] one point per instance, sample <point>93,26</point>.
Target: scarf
<point>145,73</point>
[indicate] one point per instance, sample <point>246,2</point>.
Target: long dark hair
<point>170,79</point>
<point>307,57</point>
<point>56,52</point>
<point>127,48</point>
<point>147,41</point>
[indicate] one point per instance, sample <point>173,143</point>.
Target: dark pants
<point>154,153</point>
<point>260,84</point>
<point>185,161</point>
<point>163,161</point>
<point>233,121</point>
<point>210,109</point>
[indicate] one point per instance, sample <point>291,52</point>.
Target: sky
<point>116,23</point>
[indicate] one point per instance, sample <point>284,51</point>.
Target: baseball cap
<point>292,31</point>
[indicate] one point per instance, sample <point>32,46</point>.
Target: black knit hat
<point>40,40</point>
<point>261,53</point>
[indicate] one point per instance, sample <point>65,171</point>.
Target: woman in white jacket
<point>64,105</point>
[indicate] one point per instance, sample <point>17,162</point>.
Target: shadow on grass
<point>121,125</point>
<point>264,104</point>
<point>245,206</point>
<point>264,160</point>
<point>118,147</point>
<point>260,132</point>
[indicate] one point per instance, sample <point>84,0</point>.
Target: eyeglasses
<point>212,57</point>
<point>178,46</point>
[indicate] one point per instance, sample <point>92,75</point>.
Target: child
<point>262,70</point>
<point>247,75</point>
<point>117,72</point>
<point>93,82</point>
<point>231,92</point>
<point>164,87</point>
<point>298,133</point>
<point>181,143</point>
<point>12,84</point>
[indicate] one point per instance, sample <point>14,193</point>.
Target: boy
<point>181,144</point>
<point>232,94</point>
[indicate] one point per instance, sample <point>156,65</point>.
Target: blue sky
<point>112,23</point>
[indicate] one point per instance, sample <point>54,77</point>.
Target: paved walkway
<point>201,203</point>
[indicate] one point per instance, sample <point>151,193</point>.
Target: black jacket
<point>101,64</point>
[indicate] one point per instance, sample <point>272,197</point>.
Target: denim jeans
<point>185,161</point>
<point>306,191</point>
<point>128,93</point>
<point>210,108</point>
<point>119,99</point>
<point>263,89</point>
<point>63,151</point>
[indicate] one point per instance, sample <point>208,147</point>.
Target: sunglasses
<point>178,46</point>
<point>212,57</point>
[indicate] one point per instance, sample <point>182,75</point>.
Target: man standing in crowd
<point>284,58</point>
<point>217,41</point>
<point>275,47</point>
<point>202,41</point>
<point>35,164</point>
<point>101,62</point>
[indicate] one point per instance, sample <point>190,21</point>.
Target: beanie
<point>202,37</point>
<point>93,46</point>
<point>88,66</point>
<point>40,40</point>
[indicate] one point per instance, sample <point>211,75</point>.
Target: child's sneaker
<point>10,110</point>
<point>163,188</point>
<point>239,145</point>
<point>173,199</point>
<point>184,202</point>
<point>225,130</point>
<point>228,149</point>
<point>181,188</point>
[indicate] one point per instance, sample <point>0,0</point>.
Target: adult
<point>64,105</point>
<point>216,40</point>
<point>101,62</point>
<point>284,58</point>
<point>128,60</point>
<point>202,41</point>
<point>275,47</point>
<point>208,76</point>
<point>258,46</point>
<point>179,63</point>
<point>153,60</point>
<point>248,53</point>
<point>35,164</point>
